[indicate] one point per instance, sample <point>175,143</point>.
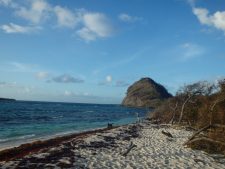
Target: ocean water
<point>24,121</point>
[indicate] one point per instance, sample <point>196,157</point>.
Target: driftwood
<point>129,148</point>
<point>218,125</point>
<point>204,138</point>
<point>207,139</point>
<point>198,160</point>
<point>168,134</point>
<point>189,128</point>
<point>196,133</point>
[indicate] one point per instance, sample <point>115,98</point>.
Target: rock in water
<point>145,93</point>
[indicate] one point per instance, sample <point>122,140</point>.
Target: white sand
<point>154,150</point>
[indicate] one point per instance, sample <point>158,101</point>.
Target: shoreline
<point>136,145</point>
<point>18,143</point>
<point>9,153</point>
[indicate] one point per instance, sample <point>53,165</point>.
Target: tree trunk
<point>196,133</point>
<point>212,108</point>
<point>174,111</point>
<point>207,139</point>
<point>182,109</point>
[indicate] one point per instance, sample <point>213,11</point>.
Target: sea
<point>26,121</point>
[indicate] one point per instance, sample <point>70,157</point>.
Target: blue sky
<point>92,50</point>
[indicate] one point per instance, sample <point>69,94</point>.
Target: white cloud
<point>19,88</point>
<point>86,94</point>
<point>8,3</point>
<point>65,78</point>
<point>7,84</point>
<point>192,2</point>
<point>89,26</point>
<point>202,15</point>
<point>190,50</point>
<point>5,2</point>
<point>216,20</point>
<point>27,90</point>
<point>80,94</point>
<point>86,34</point>
<point>121,83</point>
<point>14,28</point>
<point>22,67</point>
<point>68,93</point>
<point>19,66</point>
<point>108,78</point>
<point>37,12</point>
<point>42,75</point>
<point>96,25</point>
<point>65,17</point>
<point>128,18</point>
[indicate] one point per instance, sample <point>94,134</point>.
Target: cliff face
<point>145,93</point>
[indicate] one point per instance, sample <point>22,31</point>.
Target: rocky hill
<point>145,93</point>
<point>6,100</point>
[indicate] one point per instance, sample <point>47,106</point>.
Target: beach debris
<point>217,156</point>
<point>168,134</point>
<point>97,144</point>
<point>132,145</point>
<point>50,165</point>
<point>203,137</point>
<point>134,131</point>
<point>199,160</point>
<point>65,163</point>
<point>189,128</point>
<point>36,146</point>
<point>220,158</point>
<point>169,139</point>
<point>82,154</point>
<point>196,133</point>
<point>109,139</point>
<point>129,133</point>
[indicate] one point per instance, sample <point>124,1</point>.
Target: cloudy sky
<point>92,50</point>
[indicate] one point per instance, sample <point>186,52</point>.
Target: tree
<point>173,104</point>
<point>220,98</point>
<point>189,92</point>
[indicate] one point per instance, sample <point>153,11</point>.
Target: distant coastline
<point>7,100</point>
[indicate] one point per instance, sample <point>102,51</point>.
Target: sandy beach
<point>109,149</point>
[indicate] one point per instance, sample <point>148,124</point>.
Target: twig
<point>168,134</point>
<point>129,148</point>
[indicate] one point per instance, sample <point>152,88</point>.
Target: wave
<point>17,138</point>
<point>57,117</point>
<point>26,136</point>
<point>89,111</point>
<point>4,140</point>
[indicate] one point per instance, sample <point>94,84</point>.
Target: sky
<point>90,51</point>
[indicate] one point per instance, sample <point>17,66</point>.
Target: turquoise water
<point>22,121</point>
